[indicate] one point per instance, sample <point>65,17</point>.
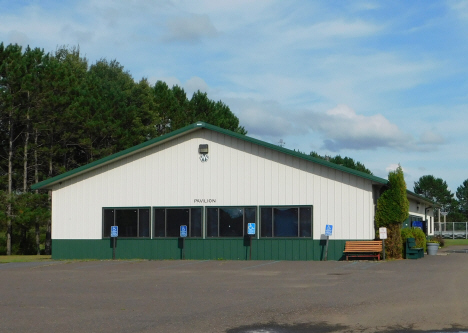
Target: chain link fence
<point>451,230</point>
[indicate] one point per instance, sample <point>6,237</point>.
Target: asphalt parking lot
<point>428,294</point>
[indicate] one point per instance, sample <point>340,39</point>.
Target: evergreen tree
<point>462,195</point>
<point>392,211</point>
<point>435,189</point>
<point>346,162</point>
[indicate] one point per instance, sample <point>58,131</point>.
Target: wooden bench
<point>371,249</point>
<point>411,251</point>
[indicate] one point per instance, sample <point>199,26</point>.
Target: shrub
<point>417,234</point>
<point>420,238</point>
<point>406,233</point>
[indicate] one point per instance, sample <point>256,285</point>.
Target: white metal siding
<point>237,173</point>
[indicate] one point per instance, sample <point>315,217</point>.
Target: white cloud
<point>17,37</point>
<point>344,129</point>
<point>189,29</point>
<point>431,138</point>
<point>194,84</point>
<point>170,80</point>
<point>340,128</point>
<point>265,120</point>
<point>393,167</point>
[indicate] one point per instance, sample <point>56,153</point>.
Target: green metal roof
<point>423,198</point>
<point>48,183</point>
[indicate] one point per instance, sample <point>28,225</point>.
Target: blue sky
<point>381,82</point>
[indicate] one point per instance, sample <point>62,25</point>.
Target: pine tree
<point>392,211</point>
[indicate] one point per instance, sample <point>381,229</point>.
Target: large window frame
<point>172,227</point>
<point>272,221</point>
<point>121,217</point>
<point>217,221</point>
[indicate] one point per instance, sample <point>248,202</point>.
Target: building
<point>215,182</point>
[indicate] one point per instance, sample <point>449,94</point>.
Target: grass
<point>449,242</point>
<point>7,259</point>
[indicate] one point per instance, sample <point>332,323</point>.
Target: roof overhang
<point>421,199</point>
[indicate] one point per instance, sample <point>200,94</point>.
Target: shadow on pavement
<point>323,327</point>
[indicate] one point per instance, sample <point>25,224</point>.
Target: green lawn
<point>6,259</point>
<point>449,242</point>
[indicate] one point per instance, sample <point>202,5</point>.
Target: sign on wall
<point>328,230</point>
<point>383,233</point>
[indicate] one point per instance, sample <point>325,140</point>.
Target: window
<point>167,221</point>
<point>132,222</point>
<point>286,221</point>
<point>229,221</point>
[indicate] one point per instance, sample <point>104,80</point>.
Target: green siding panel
<point>198,249</point>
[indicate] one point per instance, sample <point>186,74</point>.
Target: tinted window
<point>159,222</point>
<point>167,221</point>
<point>250,216</point>
<point>126,220</point>
<point>143,222</point>
<point>174,219</point>
<point>231,222</point>
<point>285,222</point>
<point>108,221</point>
<point>196,222</point>
<point>305,229</point>
<point>212,222</point>
<point>266,222</point>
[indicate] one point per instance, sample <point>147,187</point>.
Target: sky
<point>383,82</point>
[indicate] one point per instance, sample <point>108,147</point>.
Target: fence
<point>451,230</point>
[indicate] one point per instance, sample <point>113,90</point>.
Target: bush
<point>417,234</point>
<point>406,233</point>
<point>420,238</point>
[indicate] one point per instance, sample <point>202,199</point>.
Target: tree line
<point>58,112</point>
<point>343,161</point>
<point>436,190</point>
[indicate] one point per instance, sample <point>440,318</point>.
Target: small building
<point>215,182</point>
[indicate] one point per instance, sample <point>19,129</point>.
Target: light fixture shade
<point>203,149</point>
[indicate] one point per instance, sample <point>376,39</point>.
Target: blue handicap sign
<point>183,231</point>
<point>114,231</point>
<point>328,230</point>
<point>251,228</point>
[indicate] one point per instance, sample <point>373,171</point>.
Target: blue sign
<point>251,228</point>
<point>114,231</point>
<point>183,231</point>
<point>417,224</point>
<point>328,230</point>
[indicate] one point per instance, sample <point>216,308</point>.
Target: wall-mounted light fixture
<point>417,205</point>
<point>203,149</point>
